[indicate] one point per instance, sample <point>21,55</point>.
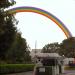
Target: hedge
<point>69,68</point>
<point>15,68</point>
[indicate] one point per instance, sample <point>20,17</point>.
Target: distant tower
<point>35,47</point>
<point>35,59</point>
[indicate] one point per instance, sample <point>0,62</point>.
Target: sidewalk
<point>69,72</point>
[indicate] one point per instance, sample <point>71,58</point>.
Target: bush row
<point>15,68</point>
<point>69,68</point>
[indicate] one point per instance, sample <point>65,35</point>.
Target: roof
<point>48,55</point>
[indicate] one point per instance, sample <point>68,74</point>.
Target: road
<point>24,73</point>
<point>31,73</point>
<point>69,72</point>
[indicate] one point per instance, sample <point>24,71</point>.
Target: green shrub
<point>14,68</point>
<point>69,68</point>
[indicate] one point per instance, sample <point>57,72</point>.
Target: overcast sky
<point>35,27</point>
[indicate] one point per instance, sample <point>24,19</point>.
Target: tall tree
<point>7,28</point>
<point>6,3</point>
<point>68,47</point>
<point>51,48</point>
<point>19,52</point>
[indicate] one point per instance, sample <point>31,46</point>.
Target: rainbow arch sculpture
<point>44,13</point>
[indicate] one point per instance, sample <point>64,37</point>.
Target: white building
<point>33,54</point>
<point>67,60</point>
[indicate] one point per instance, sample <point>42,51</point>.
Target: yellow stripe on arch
<point>44,13</point>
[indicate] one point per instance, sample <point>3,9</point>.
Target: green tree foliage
<point>6,3</point>
<point>51,48</point>
<point>68,47</point>
<point>7,28</point>
<point>13,48</point>
<point>19,52</point>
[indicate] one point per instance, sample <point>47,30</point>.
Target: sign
<point>41,69</point>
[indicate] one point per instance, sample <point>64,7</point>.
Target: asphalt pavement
<point>24,73</point>
<point>67,72</point>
